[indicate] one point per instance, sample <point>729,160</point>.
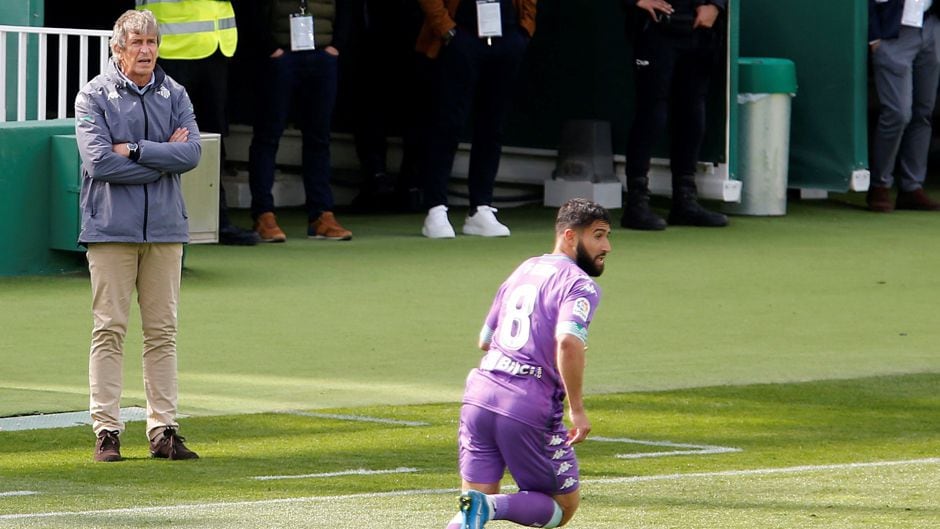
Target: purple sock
<point>532,509</point>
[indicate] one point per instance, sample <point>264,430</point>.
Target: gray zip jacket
<point>123,200</point>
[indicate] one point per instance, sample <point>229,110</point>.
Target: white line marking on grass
<point>765,471</point>
<point>17,493</point>
<point>358,418</point>
<point>426,492</point>
<point>687,449</point>
<point>226,505</point>
<point>358,472</point>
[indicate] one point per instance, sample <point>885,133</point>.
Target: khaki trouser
<point>116,269</point>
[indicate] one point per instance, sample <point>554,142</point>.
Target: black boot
<point>686,211</point>
<point>637,214</point>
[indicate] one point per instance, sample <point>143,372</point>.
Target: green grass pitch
<point>778,373</point>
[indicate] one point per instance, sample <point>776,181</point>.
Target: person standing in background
<point>299,46</point>
<point>903,38</point>
<point>677,47</point>
<point>478,47</point>
<point>199,38</point>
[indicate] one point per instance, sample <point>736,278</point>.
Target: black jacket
<point>884,18</point>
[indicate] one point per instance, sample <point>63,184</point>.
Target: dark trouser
<point>672,74</point>
<point>307,78</point>
<point>206,82</point>
<point>471,73</point>
<point>906,70</point>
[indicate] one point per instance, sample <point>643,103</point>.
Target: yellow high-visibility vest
<point>194,29</point>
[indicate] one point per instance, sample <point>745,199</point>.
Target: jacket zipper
<point>143,107</point>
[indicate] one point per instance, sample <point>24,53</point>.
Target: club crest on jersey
<point>582,307</point>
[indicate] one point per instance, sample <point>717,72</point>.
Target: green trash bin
<point>765,89</point>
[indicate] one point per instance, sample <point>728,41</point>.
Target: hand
<point>652,6</point>
<point>332,51</point>
<point>180,135</point>
<point>874,45</point>
<point>277,53</point>
<point>705,16</point>
<point>580,427</point>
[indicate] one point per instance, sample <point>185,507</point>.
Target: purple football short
<point>537,459</point>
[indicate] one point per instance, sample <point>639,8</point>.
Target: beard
<point>588,263</point>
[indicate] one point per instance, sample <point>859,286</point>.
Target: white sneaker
<point>484,223</point>
<point>436,225</point>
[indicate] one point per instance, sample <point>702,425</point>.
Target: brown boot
<point>108,446</point>
<point>917,200</point>
<point>267,228</point>
<point>169,445</point>
<point>326,227</point>
<point>879,199</point>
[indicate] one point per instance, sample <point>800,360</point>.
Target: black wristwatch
<point>133,151</point>
<point>449,36</point>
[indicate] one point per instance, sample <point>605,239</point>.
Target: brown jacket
<point>439,19</point>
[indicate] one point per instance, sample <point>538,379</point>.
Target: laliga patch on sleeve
<point>582,307</point>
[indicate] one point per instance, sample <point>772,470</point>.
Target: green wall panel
<point>26,158</point>
<point>828,42</point>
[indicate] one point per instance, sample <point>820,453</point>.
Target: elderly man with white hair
<point>136,133</point>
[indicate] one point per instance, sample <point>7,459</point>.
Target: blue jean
<point>307,78</point>
<point>472,74</point>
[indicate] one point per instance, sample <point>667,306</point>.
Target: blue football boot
<point>475,509</point>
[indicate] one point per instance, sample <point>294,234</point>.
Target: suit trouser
<point>116,270</point>
<point>906,70</point>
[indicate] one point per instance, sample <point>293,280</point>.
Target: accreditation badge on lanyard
<point>301,29</point>
<point>489,19</point>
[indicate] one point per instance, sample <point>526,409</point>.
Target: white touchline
<point>18,493</point>
<point>425,492</point>
<point>357,472</point>
<point>688,449</point>
<point>358,418</point>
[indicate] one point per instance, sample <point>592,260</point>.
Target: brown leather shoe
<point>108,446</point>
<point>169,445</point>
<point>326,227</point>
<point>917,200</point>
<point>267,228</point>
<point>879,199</point>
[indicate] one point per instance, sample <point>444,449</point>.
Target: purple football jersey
<point>545,297</point>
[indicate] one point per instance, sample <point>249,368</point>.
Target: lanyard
<point>303,6</point>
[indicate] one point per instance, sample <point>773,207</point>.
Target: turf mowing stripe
<point>601,481</point>
<point>691,449</point>
<point>18,493</point>
<point>358,472</point>
<point>358,418</point>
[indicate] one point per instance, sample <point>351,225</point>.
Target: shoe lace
<point>108,440</point>
<point>173,439</point>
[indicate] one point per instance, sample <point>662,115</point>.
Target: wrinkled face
<point>139,57</point>
<point>593,247</point>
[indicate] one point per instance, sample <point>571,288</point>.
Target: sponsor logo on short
<point>562,468</point>
<point>560,453</point>
<point>570,482</point>
<point>556,440</point>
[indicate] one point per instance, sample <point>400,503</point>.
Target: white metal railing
<point>23,44</point>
